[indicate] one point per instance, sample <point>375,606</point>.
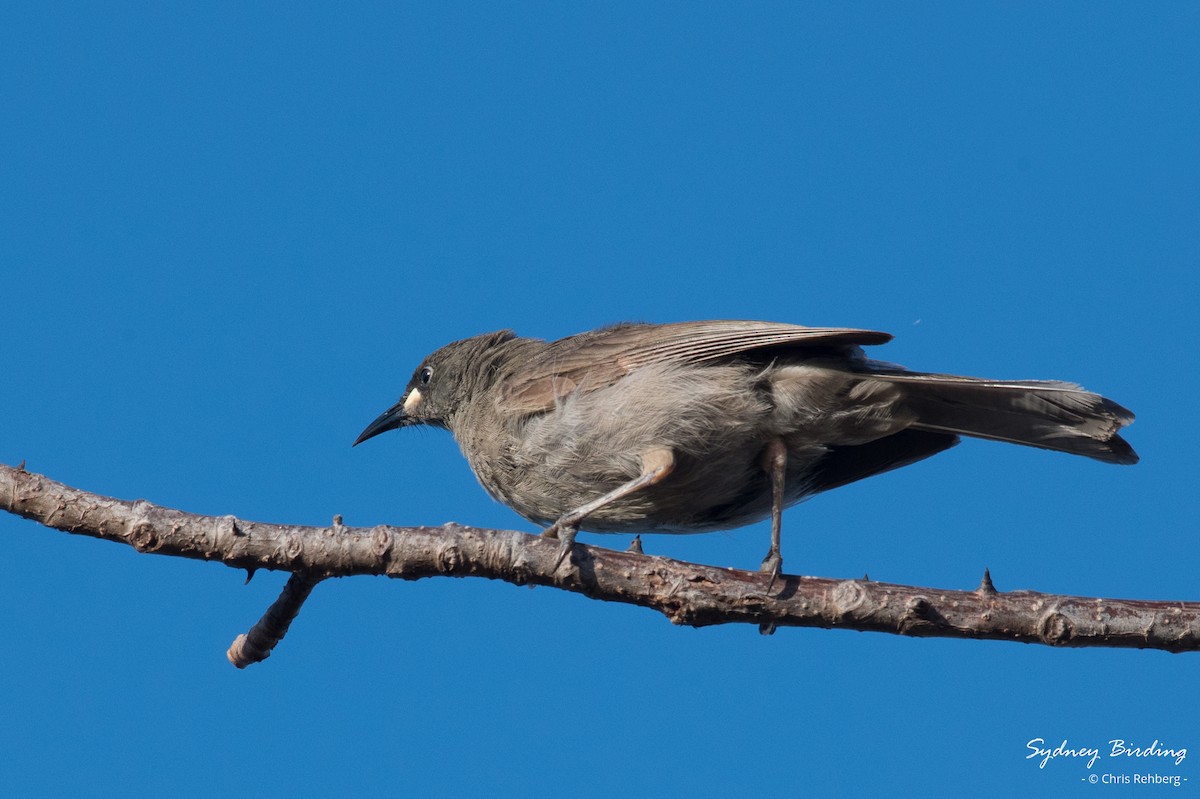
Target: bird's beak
<point>390,419</point>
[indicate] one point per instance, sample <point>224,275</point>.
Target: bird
<point>692,427</point>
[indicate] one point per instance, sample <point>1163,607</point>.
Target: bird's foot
<point>567,524</point>
<point>566,534</point>
<point>773,565</point>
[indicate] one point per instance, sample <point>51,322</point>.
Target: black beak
<point>390,419</point>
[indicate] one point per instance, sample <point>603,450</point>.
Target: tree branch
<point>256,645</point>
<point>685,593</point>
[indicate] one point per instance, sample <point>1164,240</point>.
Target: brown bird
<point>700,426</point>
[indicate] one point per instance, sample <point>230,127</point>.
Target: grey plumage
<point>715,410</point>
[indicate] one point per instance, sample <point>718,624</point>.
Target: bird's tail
<point>1046,414</point>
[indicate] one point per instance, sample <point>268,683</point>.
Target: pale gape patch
<point>412,401</point>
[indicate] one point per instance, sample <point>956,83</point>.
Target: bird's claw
<point>773,565</point>
<point>567,535</point>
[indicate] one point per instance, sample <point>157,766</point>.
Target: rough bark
<point>685,593</point>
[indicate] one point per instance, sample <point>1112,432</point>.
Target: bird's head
<point>445,382</point>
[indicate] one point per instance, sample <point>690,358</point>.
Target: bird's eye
<point>424,375</point>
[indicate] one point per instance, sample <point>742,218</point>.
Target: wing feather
<point>601,357</point>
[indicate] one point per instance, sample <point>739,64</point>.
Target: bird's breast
<point>716,421</point>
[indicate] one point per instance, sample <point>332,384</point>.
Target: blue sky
<point>231,231</point>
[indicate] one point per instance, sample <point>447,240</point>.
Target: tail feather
<point>1046,414</point>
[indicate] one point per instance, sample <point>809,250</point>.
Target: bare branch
<point>685,593</point>
<point>256,645</point>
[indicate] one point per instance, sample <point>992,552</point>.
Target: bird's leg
<point>774,463</point>
<point>657,463</point>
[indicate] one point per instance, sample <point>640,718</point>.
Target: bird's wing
<point>601,357</point>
